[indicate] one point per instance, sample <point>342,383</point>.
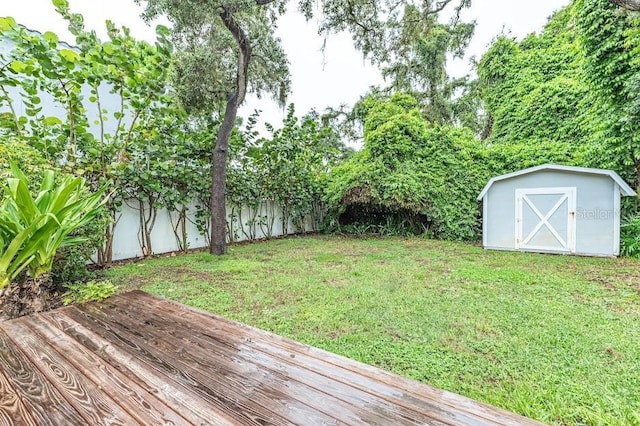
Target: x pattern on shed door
<point>546,219</point>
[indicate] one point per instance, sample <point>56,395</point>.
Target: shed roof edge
<point>625,189</point>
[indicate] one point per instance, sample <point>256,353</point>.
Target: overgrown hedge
<point>413,177</point>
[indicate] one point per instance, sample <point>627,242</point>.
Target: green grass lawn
<point>555,338</point>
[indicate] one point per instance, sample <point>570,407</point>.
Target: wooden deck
<point>137,359</point>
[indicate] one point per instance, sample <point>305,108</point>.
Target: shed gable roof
<point>624,188</point>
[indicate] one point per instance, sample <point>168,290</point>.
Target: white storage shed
<point>554,209</point>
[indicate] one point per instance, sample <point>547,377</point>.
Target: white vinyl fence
<point>247,224</point>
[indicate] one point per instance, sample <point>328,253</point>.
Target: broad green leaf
<point>109,48</point>
<point>18,67</point>
<point>162,30</point>
<point>69,55</point>
<point>60,3</point>
<point>7,23</point>
<point>52,121</point>
<point>50,37</point>
<point>32,231</point>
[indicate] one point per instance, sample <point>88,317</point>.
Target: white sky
<point>339,76</point>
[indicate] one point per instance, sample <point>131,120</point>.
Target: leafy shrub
<point>630,236</point>
<point>32,229</point>
<point>534,90</point>
<point>415,178</point>
<point>32,163</point>
<point>89,291</point>
<point>411,178</point>
<point>72,263</point>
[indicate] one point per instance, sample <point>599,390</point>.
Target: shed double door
<point>546,219</point>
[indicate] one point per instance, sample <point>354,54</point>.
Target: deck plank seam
<point>38,375</point>
<point>196,373</point>
<point>21,408</point>
<point>117,358</point>
<point>82,388</point>
<point>207,346</point>
<point>116,375</point>
<point>359,368</point>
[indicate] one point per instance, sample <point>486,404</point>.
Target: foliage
<point>228,49</point>
<point>609,38</point>
<point>630,236</point>
<point>535,90</point>
<point>206,63</point>
<point>120,117</point>
<point>419,52</point>
<point>408,170</point>
<point>33,229</point>
<point>76,263</point>
<point>455,316</point>
<point>17,151</point>
<point>575,83</point>
<point>89,291</point>
<point>221,44</point>
<point>71,262</point>
<point>13,150</point>
<point>380,30</point>
<point>283,171</point>
<point>506,158</point>
<point>292,164</point>
<point>416,178</point>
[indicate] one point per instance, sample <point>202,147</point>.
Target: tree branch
<point>632,5</point>
<point>245,51</point>
<point>355,20</point>
<point>439,7</point>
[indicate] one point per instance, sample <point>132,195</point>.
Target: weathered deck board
<point>87,399</point>
<point>44,402</point>
<point>248,404</point>
<point>312,381</point>
<point>398,390</point>
<point>231,355</point>
<point>12,409</point>
<point>137,402</point>
<point>179,398</point>
<point>138,359</point>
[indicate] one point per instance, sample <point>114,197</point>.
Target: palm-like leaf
<point>32,230</point>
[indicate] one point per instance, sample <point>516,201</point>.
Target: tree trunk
<point>27,297</point>
<point>218,241</point>
<point>488,127</point>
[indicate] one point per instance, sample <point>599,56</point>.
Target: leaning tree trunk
<point>218,242</point>
<point>633,5</point>
<point>27,297</point>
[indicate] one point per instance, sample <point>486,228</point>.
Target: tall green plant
<point>33,229</point>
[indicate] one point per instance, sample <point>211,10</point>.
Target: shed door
<point>546,219</point>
